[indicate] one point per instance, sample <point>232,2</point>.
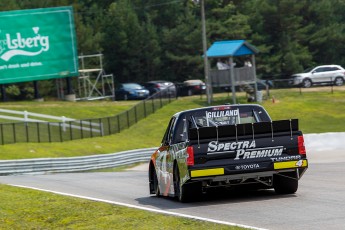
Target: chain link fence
<point>80,129</point>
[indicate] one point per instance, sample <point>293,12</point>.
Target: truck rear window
<point>218,116</point>
<point>225,116</point>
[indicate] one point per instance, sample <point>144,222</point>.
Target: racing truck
<point>227,146</point>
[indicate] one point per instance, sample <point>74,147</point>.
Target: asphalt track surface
<point>318,204</point>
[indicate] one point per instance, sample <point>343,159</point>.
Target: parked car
<point>325,74</point>
<point>127,91</point>
<point>192,87</point>
<point>167,88</point>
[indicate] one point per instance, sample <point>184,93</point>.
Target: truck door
<point>165,177</point>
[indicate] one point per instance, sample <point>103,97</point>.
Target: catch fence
<point>79,129</point>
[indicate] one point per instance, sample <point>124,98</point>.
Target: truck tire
<point>284,185</point>
<point>186,192</point>
<point>181,192</point>
<point>155,184</point>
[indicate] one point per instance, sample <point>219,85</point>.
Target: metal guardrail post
<point>91,132</point>
<point>27,132</point>
<point>2,134</point>
<point>38,132</point>
<point>109,125</point>
<point>70,130</point>
<point>81,129</point>
<point>60,132</point>
<point>14,133</point>
<point>49,134</point>
<point>153,106</point>
<point>118,123</point>
<point>144,108</point>
<point>127,113</point>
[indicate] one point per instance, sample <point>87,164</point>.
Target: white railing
<point>25,117</point>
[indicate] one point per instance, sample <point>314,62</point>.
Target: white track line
<point>143,208</point>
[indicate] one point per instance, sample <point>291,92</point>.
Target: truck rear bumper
<point>294,169</point>
<point>247,168</point>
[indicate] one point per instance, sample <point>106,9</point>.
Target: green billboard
<point>37,44</point>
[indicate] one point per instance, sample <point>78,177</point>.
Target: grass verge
<point>318,111</point>
<point>30,209</point>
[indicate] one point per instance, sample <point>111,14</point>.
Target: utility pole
<point>204,49</point>
<point>204,46</point>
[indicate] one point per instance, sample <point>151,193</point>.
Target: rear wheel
<point>284,185</point>
<point>186,192</point>
<point>307,83</point>
<point>155,183</point>
<point>339,81</point>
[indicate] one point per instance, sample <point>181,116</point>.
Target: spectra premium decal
<point>244,149</point>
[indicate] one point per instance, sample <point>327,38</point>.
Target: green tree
<point>325,20</point>
<point>122,41</point>
<point>182,47</point>
<point>278,29</point>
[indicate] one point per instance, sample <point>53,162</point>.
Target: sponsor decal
<point>244,150</point>
<point>221,108</point>
<point>259,152</point>
<point>215,146</point>
<point>290,164</point>
<point>286,158</point>
<point>245,167</point>
<point>222,113</point>
<point>17,44</point>
<point>207,172</point>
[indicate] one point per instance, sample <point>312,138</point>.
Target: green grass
<point>30,209</point>
<point>76,110</point>
<point>317,112</point>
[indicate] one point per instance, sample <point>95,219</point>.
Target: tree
<point>277,24</point>
<point>327,31</point>
<point>122,41</point>
<point>183,48</point>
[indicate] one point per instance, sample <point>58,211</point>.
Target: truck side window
<point>168,133</point>
<point>181,130</point>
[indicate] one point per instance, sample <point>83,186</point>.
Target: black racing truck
<point>226,146</point>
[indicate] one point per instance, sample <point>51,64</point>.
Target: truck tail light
<point>301,147</point>
<point>190,158</point>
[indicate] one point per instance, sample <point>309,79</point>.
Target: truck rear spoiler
<point>239,130</point>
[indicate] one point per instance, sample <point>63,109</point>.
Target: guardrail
<point>74,164</point>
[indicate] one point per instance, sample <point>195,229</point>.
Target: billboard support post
<point>37,95</point>
<point>69,86</point>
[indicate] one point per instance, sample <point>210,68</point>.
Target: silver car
<point>325,74</point>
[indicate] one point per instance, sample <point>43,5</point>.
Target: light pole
<point>204,47</point>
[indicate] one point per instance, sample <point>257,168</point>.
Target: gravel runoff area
<point>321,148</point>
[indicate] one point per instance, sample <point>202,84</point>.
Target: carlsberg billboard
<point>37,44</point>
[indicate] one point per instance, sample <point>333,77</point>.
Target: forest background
<point>144,40</point>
